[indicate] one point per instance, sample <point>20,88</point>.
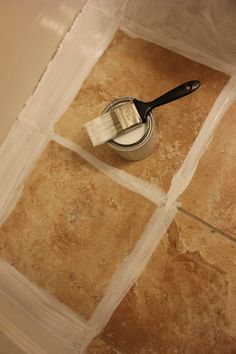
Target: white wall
<point>203,30</point>
<point>30,32</point>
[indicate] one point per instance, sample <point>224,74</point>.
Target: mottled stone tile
<point>134,67</point>
<point>71,228</point>
<point>185,300</point>
<point>211,194</point>
<point>98,346</point>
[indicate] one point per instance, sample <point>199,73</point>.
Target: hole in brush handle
<point>178,92</point>
<point>174,94</point>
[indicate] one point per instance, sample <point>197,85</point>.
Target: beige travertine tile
<point>134,67</point>
<point>98,346</point>
<point>184,302</point>
<point>71,228</point>
<point>211,194</point>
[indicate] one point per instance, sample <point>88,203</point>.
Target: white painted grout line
<point>185,174</point>
<point>158,37</point>
<point>40,317</point>
<point>135,184</point>
<point>18,154</point>
<point>81,48</point>
<point>18,338</point>
<point>131,268</point>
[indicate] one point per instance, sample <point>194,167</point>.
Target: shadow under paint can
<point>138,143</point>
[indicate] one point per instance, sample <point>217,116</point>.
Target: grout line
<point>212,227</point>
<point>53,326</point>
<point>130,269</point>
<point>18,338</point>
<point>79,11</point>
<point>133,183</point>
<point>185,174</point>
<point>17,161</point>
<point>52,95</point>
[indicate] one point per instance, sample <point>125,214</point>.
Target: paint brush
<point>131,114</point>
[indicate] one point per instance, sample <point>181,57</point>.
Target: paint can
<point>138,143</point>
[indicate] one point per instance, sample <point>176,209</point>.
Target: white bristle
<point>103,128</point>
<point>111,124</point>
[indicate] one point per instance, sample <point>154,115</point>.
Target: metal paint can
<point>136,144</point>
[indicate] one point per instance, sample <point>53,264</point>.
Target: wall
<point>202,30</point>
<point>30,32</point>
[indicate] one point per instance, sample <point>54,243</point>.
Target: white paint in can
<point>138,143</point>
<point>133,136</point>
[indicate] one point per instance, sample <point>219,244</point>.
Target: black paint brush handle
<point>180,91</point>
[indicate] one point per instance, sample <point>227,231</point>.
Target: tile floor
<point>184,302</point>
<point>211,195</point>
<point>146,71</point>
<point>100,346</point>
<point>65,243</point>
<point>73,226</point>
